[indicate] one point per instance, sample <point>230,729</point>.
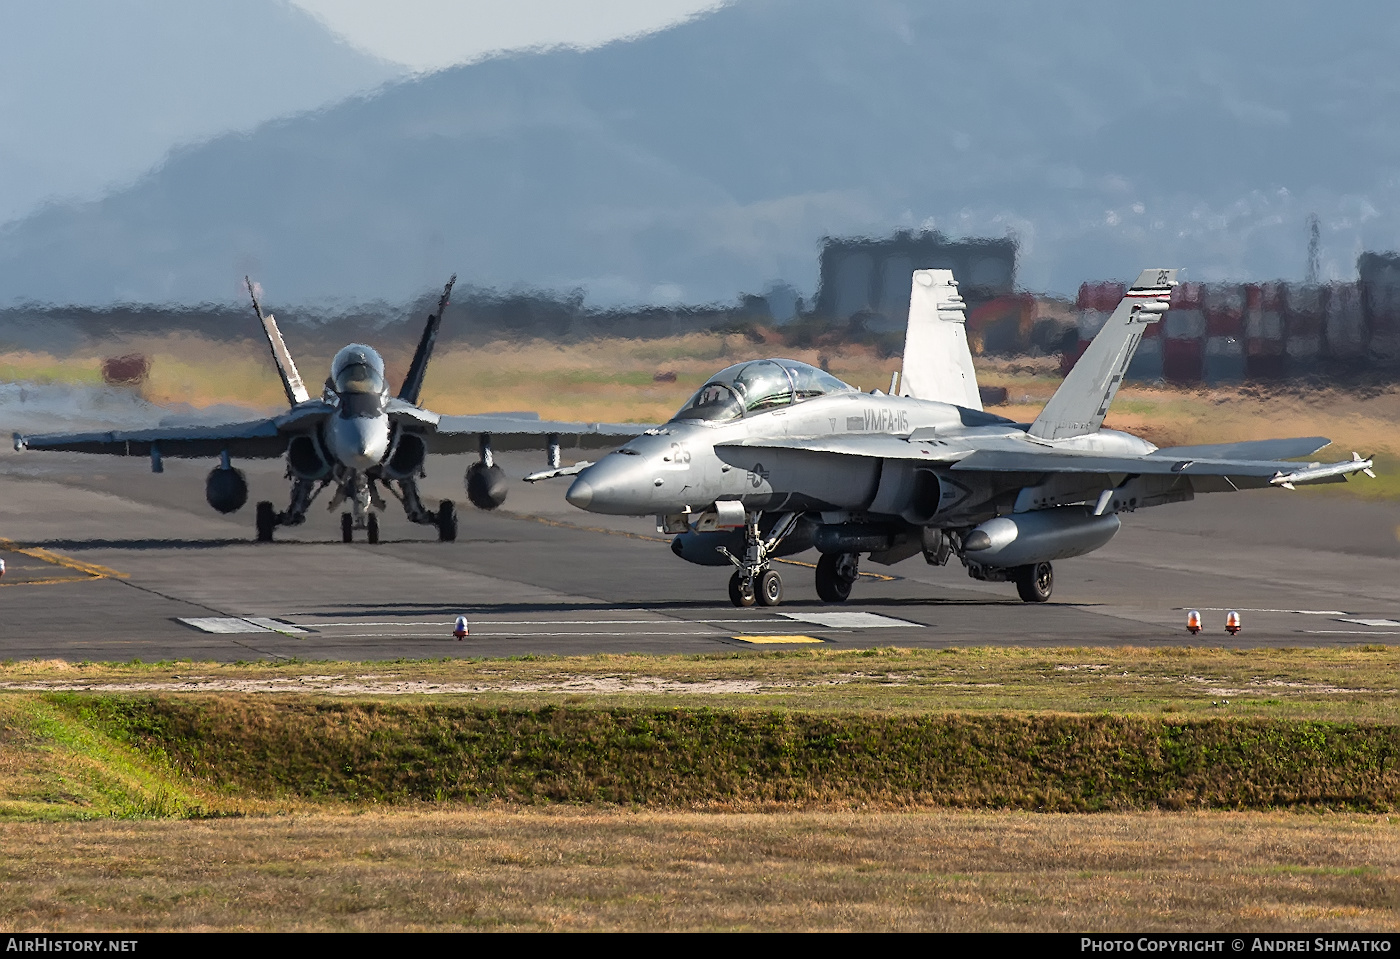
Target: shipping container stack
<point>1183,335</point>
<point>1344,323</point>
<point>1222,332</point>
<point>1304,325</point>
<point>1263,336</point>
<point>1096,304</point>
<point>1380,304</point>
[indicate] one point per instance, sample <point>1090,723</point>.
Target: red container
<point>1183,361</point>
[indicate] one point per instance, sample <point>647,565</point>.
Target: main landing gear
<point>363,497</point>
<point>754,579</point>
<point>1034,582</point>
<point>444,517</point>
<point>836,574</point>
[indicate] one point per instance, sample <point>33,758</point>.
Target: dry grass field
<point>1332,684</point>
<point>628,869</point>
<point>617,381</point>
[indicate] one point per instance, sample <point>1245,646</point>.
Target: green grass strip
<point>375,752</point>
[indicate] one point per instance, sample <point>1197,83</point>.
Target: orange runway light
<point>1232,622</point>
<point>1193,622</point>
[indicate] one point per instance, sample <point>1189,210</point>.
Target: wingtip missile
<point>1316,472</point>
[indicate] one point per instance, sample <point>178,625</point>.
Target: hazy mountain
<point>95,92</point>
<point>712,157</point>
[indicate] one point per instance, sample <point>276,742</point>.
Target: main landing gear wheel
<point>740,593</point>
<point>267,521</point>
<point>770,588</point>
<point>1035,582</point>
<point>447,521</point>
<point>836,574</point>
<point>347,528</point>
<point>372,528</point>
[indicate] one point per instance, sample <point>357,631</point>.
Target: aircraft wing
<point>1237,473</point>
<point>514,431</point>
<point>255,439</point>
<point>1250,449</point>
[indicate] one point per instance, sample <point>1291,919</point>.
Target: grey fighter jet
<point>353,438</point>
<point>774,456</point>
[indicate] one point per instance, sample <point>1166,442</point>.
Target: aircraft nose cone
<point>580,494</point>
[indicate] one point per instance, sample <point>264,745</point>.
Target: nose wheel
<point>766,590</point>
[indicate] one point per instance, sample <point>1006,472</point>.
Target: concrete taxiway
<point>108,562</point>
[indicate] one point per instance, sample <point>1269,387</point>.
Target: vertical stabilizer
<point>937,361</point>
<point>286,368</point>
<point>1082,401</point>
<point>418,369</point>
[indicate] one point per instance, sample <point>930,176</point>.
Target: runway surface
<point>108,562</point>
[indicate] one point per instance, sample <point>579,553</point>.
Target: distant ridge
<point>705,160</point>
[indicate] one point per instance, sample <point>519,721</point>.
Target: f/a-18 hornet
<point>354,438</point>
<point>773,457</point>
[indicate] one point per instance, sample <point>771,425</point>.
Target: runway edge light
<point>460,630</point>
<point>1193,622</point>
<point>2,567</point>
<point>1232,622</point>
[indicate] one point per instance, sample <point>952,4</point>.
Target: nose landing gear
<point>754,579</point>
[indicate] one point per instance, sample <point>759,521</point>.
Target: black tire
<point>738,594</point>
<point>770,588</point>
<point>447,521</point>
<point>347,528</point>
<point>372,530</point>
<point>266,521</point>
<point>832,587</point>
<point>1036,582</point>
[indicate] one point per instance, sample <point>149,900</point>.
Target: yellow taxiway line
<point>91,570</point>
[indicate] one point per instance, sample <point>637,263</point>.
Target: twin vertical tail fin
<point>1082,401</point>
<point>418,369</point>
<point>286,368</point>
<point>937,360</point>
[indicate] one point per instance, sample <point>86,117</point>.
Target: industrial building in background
<point>868,279</point>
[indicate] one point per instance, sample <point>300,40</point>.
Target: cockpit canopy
<point>357,369</point>
<point>756,386</point>
<point>357,376</point>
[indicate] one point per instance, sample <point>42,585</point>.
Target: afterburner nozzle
<point>460,630</point>
<point>1232,622</point>
<point>1193,622</point>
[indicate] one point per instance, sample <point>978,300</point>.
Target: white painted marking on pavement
<point>848,620</point>
<point>1371,622</point>
<point>231,625</point>
<point>222,624</point>
<point>1351,632</point>
<point>276,625</point>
